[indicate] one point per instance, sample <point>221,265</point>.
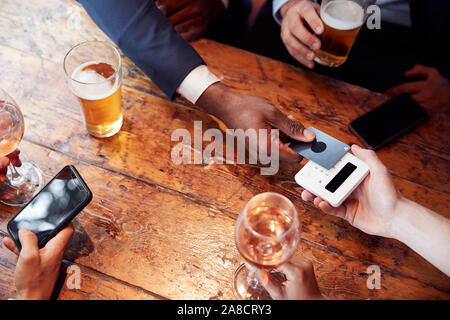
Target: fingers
<point>302,282</point>
<point>295,22</point>
<point>14,158</point>
<point>423,96</point>
<point>328,209</point>
<point>11,245</point>
<point>273,287</point>
<point>324,206</point>
<point>168,7</point>
<point>307,196</point>
<point>298,130</point>
<point>408,87</point>
<point>192,29</point>
<point>289,155</point>
<point>420,71</point>
<point>192,35</point>
<point>291,127</point>
<point>188,25</point>
<point>294,129</point>
<point>57,245</point>
<point>185,14</point>
<point>290,269</point>
<point>297,50</point>
<point>312,18</point>
<point>304,36</point>
<point>298,39</point>
<point>4,163</point>
<point>296,267</point>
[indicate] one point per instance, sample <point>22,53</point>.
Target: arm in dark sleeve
<point>144,34</point>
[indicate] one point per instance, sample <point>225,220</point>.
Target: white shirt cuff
<point>225,3</point>
<point>276,7</point>
<point>196,82</point>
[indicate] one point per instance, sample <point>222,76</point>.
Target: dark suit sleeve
<point>144,34</point>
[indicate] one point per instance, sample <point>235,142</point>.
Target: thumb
<point>291,127</point>
<point>29,242</point>
<point>57,245</point>
<point>298,131</point>
<point>368,156</point>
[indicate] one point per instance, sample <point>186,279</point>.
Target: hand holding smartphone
<point>53,207</point>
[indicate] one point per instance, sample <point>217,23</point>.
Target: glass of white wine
<point>267,235</point>
<point>24,181</point>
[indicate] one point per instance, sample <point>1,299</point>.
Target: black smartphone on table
<point>52,209</point>
<point>388,121</point>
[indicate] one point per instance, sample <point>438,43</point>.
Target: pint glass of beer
<point>94,74</point>
<point>342,20</point>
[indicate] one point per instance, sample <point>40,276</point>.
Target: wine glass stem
<point>252,278</point>
<point>14,174</point>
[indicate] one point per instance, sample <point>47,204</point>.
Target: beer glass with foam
<point>342,20</point>
<point>94,74</point>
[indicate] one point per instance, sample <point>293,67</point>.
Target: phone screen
<point>389,120</point>
<point>53,206</point>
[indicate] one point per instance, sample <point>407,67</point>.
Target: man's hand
<point>301,282</point>
<point>37,270</point>
<point>433,92</point>
<point>240,111</point>
<point>190,17</point>
<point>13,158</point>
<point>299,17</point>
<point>371,206</point>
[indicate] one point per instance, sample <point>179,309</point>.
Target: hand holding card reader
<point>337,182</point>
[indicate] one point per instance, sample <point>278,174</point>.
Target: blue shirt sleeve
<point>144,34</point>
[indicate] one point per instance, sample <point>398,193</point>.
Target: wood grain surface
<point>157,230</point>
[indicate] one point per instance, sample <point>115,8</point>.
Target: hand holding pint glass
<point>94,74</point>
<point>342,20</point>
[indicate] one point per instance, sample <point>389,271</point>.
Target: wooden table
<point>157,230</point>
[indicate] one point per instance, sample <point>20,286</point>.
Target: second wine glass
<point>267,235</point>
<point>24,181</point>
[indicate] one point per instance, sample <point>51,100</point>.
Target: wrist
<point>31,295</point>
<point>401,223</point>
<point>285,8</point>
<point>216,100</point>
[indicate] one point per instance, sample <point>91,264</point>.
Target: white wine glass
<point>267,235</point>
<point>24,181</point>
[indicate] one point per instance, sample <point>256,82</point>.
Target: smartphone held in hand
<point>53,207</point>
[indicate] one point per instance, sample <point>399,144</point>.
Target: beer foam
<point>93,85</point>
<point>342,14</point>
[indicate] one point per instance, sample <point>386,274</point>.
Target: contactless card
<point>326,151</point>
